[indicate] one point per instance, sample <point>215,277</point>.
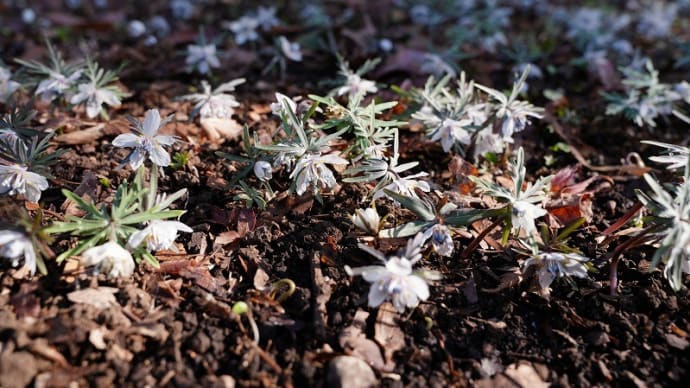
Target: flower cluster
<point>646,98</point>
<point>78,83</point>
<point>460,119</point>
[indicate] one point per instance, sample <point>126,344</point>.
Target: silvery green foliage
<point>552,265</point>
<point>595,32</point>
<point>675,156</point>
<point>435,222</point>
<point>304,151</point>
<point>387,173</point>
<point>395,280</point>
<point>134,206</point>
<point>215,103</point>
<point>451,116</point>
<point>645,98</point>
<point>670,207</point>
<point>97,88</point>
<point>656,21</point>
<point>462,118</point>
<point>372,134</point>
<point>524,205</point>
<point>55,80</point>
<point>512,114</point>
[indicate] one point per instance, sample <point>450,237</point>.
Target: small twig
<point>480,237</point>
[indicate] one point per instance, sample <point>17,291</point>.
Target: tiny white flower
<point>146,142</point>
<point>312,171</point>
<point>158,235</point>
<point>355,85</point>
<point>56,85</point>
<point>291,50</point>
<point>244,29</point>
<point>405,186</point>
<point>110,258</point>
<point>441,239</point>
<point>15,179</point>
<point>263,170</point>
<point>202,57</point>
<point>94,97</point>
<point>215,103</point>
<point>524,215</point>
<point>266,16</point>
<point>15,245</point>
<point>283,105</point>
<point>7,86</point>
<point>553,264</point>
<point>451,132</point>
<point>395,281</point>
<point>367,220</point>
<point>488,141</point>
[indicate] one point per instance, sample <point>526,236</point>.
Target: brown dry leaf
<point>260,279</point>
<point>387,333</point>
<point>353,339</point>
<point>525,375</point>
<point>508,280</point>
<point>41,347</point>
<point>246,221</point>
<point>677,342</point>
<point>82,136</point>
<point>677,330</point>
<point>221,129</point>
<point>25,303</point>
<point>100,298</point>
<point>322,287</point>
<point>226,238</point>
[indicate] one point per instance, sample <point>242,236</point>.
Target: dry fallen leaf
<point>218,129</point>
<point>525,375</point>
<point>353,339</point>
<point>100,298</point>
<point>387,332</point>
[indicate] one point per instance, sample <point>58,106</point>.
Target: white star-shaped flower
<point>355,85</point>
<point>110,258</point>
<point>56,84</point>
<point>311,170</point>
<point>202,57</point>
<point>244,29</point>
<point>395,281</point>
<point>441,239</point>
<point>15,245</point>
<point>553,264</point>
<point>158,235</point>
<point>94,97</point>
<point>16,179</point>
<point>146,142</point>
<point>524,215</point>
